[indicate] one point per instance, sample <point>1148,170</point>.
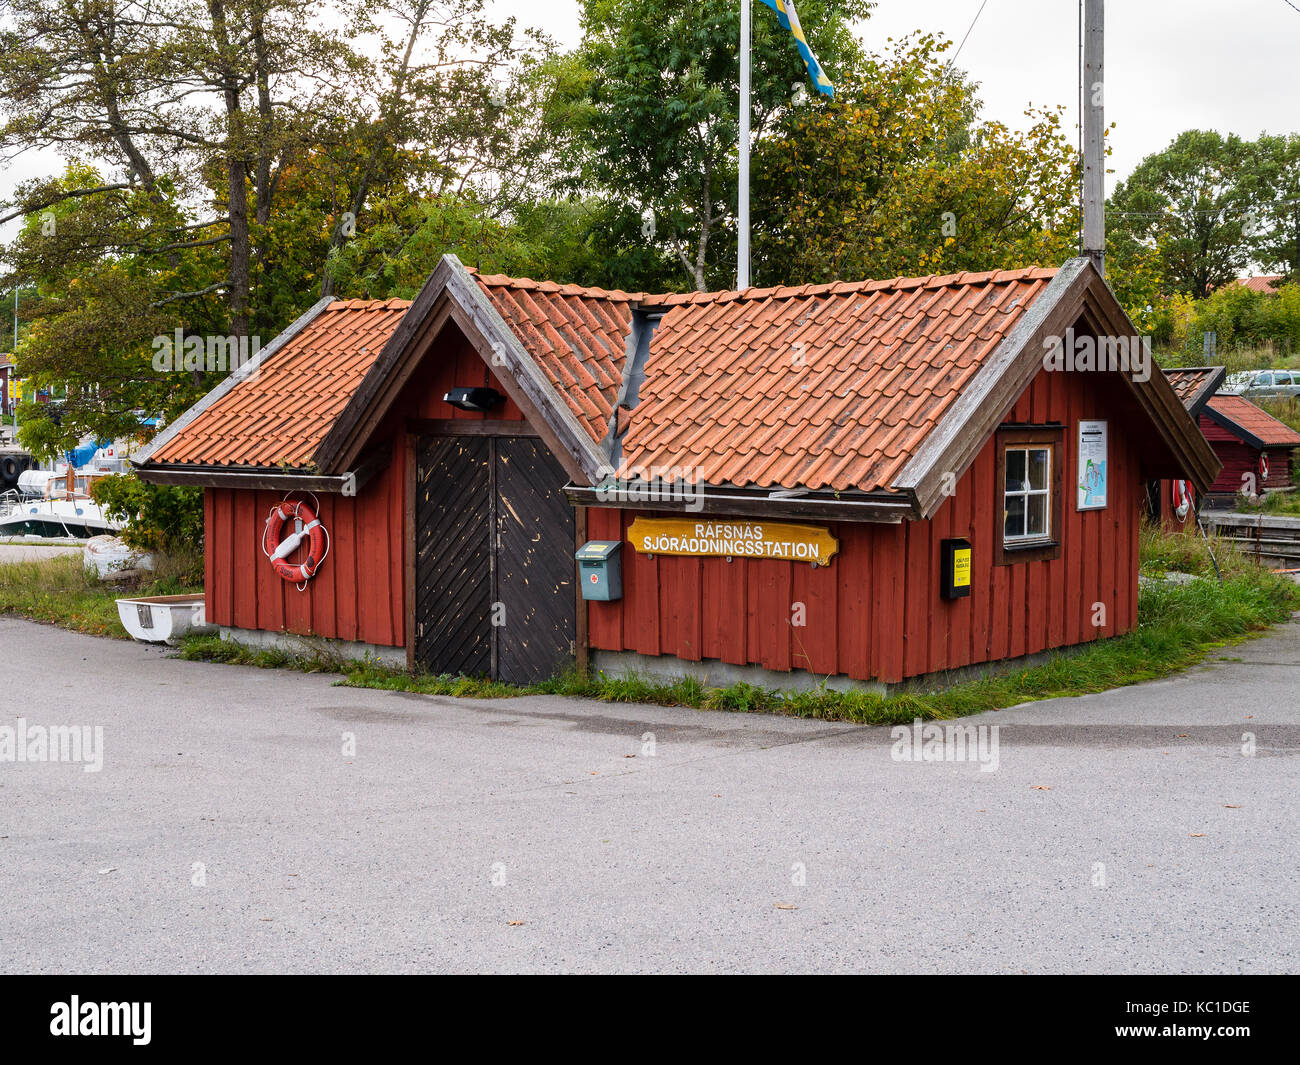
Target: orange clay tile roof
<point>816,386</point>
<point>279,415</point>
<point>1244,414</point>
<point>1189,381</point>
<point>578,336</point>
<point>1266,283</point>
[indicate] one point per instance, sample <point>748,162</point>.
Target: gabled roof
<point>578,336</point>
<point>1194,385</point>
<point>1246,421</point>
<point>276,412</point>
<point>868,393</point>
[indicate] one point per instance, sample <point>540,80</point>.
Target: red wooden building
<point>869,481</point>
<point>1254,447</point>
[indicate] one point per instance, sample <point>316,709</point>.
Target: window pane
<point>1038,468</point>
<point>1015,471</point>
<point>1015,520</point>
<point>1036,519</point>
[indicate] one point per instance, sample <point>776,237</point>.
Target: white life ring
<point>1182,500</point>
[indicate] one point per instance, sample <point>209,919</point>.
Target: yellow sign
<point>734,539</point>
<point>961,567</point>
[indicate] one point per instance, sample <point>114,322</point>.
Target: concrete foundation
<point>717,674</point>
<point>294,644</point>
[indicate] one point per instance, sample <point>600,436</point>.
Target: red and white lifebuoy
<point>1263,467</point>
<point>1182,500</point>
<point>277,547</point>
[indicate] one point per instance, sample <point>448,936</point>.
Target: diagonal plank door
<point>453,567</point>
<point>534,563</point>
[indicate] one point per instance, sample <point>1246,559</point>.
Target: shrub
<point>155,517</point>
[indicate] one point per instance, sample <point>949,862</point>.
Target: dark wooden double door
<point>494,571</point>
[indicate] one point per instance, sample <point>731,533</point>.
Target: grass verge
<point>1178,625</point>
<point>59,591</point>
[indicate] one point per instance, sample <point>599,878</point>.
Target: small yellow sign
<point>961,567</point>
<point>734,539</point>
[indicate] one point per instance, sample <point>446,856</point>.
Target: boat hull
<point>163,618</point>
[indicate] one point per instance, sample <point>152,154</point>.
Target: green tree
<point>896,176</point>
<point>1185,210</point>
<point>225,142</point>
<point>647,111</point>
<point>1273,185</point>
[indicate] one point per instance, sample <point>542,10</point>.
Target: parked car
<point>1272,383</point>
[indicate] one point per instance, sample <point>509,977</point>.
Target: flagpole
<point>742,237</point>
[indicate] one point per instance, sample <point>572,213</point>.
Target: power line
<point>978,13</point>
<point>1291,6</point>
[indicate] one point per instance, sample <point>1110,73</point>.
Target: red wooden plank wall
<point>358,593</point>
<point>876,611</point>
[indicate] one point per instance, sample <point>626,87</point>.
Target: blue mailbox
<point>600,569</point>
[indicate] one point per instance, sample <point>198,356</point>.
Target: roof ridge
<point>392,304</point>
<point>828,288</point>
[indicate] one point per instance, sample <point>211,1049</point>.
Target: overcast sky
<point>1171,65</point>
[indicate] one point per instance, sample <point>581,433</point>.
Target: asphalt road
<point>1124,832</point>
<point>35,550</point>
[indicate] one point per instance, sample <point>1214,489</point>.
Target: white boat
<point>163,618</point>
<point>78,517</point>
<point>53,503</point>
<point>57,503</point>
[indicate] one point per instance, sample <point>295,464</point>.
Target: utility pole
<point>13,372</point>
<point>742,199</point>
<point>1093,118</point>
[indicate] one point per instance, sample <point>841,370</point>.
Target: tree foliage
<point>1184,215</point>
<point>896,176</point>
<point>648,111</point>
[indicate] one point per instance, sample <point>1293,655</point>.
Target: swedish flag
<point>789,19</point>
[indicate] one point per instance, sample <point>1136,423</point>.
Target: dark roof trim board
<point>262,478</point>
<point>141,457</point>
<point>869,507</point>
<point>452,292</point>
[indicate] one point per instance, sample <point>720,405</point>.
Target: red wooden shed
<point>1253,446</point>
<point>868,481</point>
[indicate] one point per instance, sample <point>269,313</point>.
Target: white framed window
<point>1027,494</point>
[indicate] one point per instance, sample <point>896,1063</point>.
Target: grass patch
<point>60,591</point>
<point>1178,625</point>
<point>1283,504</point>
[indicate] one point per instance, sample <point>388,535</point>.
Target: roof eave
<point>270,478</point>
<point>878,507</point>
